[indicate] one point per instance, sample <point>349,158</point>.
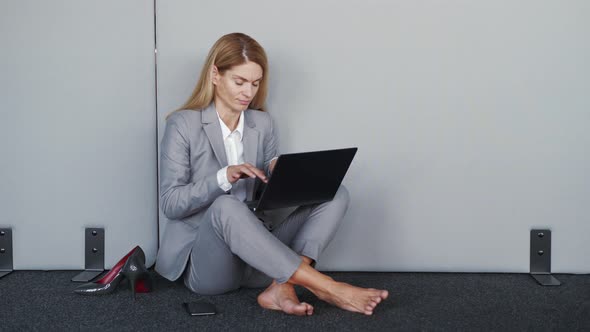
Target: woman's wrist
<point>222,180</point>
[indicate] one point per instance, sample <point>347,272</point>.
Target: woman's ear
<point>214,75</point>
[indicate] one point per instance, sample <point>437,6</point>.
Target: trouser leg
<point>308,230</point>
<point>311,228</point>
<point>229,237</point>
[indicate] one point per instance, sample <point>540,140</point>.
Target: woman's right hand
<point>236,172</point>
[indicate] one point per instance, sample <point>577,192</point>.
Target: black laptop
<point>302,179</point>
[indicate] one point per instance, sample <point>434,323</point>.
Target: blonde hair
<point>230,50</point>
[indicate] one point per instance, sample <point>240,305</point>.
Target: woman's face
<point>237,86</point>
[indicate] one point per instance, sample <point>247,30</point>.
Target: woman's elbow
<point>169,213</point>
<point>169,209</point>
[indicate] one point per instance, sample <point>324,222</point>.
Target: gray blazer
<point>192,152</point>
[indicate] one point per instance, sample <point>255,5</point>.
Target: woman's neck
<point>229,117</point>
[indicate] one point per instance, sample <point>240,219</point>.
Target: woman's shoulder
<point>184,117</point>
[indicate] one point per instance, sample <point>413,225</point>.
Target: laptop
<point>303,179</point>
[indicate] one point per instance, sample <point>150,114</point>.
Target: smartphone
<point>200,308</point>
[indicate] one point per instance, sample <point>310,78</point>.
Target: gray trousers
<point>234,249</point>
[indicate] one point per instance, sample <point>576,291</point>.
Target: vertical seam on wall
<point>157,128</point>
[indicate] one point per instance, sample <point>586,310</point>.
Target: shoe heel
<point>138,275</point>
<point>132,282</point>
<point>145,285</point>
<point>141,284</point>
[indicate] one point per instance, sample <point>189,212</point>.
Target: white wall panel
<point>471,119</point>
<point>77,129</point>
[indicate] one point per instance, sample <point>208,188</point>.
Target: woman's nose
<point>248,90</point>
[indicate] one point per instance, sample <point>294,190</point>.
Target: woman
<point>213,149</point>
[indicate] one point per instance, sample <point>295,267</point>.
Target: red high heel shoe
<point>131,266</point>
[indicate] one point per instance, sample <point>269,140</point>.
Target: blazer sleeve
<point>270,145</point>
<point>179,197</point>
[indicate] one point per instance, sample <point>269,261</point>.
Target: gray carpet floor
<point>37,300</point>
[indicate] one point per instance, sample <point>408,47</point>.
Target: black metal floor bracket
<point>540,267</point>
<point>6,263</point>
<point>93,255</point>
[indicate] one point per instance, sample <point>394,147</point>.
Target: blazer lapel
<point>250,142</point>
<point>213,131</point>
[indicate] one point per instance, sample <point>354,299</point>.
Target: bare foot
<point>282,297</point>
<point>352,298</point>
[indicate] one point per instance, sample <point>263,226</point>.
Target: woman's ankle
<point>315,281</point>
<point>308,261</point>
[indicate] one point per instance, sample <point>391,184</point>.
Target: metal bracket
<point>6,264</point>
<point>541,257</point>
<point>94,255</point>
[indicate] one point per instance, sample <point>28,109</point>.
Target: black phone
<point>200,308</point>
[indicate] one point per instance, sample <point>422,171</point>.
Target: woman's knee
<point>224,202</point>
<point>225,205</point>
<point>226,208</point>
